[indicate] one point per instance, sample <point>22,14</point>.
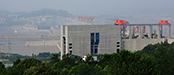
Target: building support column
<point>130,32</point>
<point>123,31</point>
<point>67,42</point>
<point>61,43</point>
<point>141,32</point>
<point>62,47</point>
<point>159,32</point>
<point>169,31</point>
<point>150,32</point>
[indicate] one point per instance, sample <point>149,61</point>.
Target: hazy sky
<point>147,9</point>
<point>93,7</point>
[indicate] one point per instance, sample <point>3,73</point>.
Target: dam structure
<point>111,38</point>
<point>137,40</point>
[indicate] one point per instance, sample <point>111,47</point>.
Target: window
<point>118,42</point>
<point>94,43</point>
<point>91,47</point>
<point>92,38</point>
<point>64,39</point>
<point>91,51</point>
<point>70,47</point>
<point>118,50</point>
<point>118,45</point>
<point>96,46</point>
<point>70,52</point>
<point>96,51</point>
<point>97,38</point>
<point>70,43</point>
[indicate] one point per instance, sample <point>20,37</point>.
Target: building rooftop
<point>120,25</point>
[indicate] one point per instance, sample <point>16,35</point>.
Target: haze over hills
<point>50,17</point>
<point>36,13</point>
<point>33,17</point>
<point>43,12</point>
<point>6,16</point>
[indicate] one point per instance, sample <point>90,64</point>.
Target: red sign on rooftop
<point>163,22</point>
<point>120,22</point>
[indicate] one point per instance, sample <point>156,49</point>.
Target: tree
<point>44,54</point>
<point>86,69</point>
<point>89,58</point>
<point>80,69</point>
<point>67,60</point>
<point>126,62</point>
<point>43,69</point>
<point>22,66</point>
<point>54,59</point>
<point>163,54</point>
<point>2,69</point>
<point>16,62</point>
<point>64,72</point>
<point>75,57</point>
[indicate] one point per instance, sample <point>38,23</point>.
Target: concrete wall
<point>138,44</point>
<point>41,43</point>
<point>28,36</point>
<point>80,37</point>
<point>170,40</point>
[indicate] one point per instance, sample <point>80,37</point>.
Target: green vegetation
<point>2,69</point>
<point>45,56</point>
<point>153,59</point>
<point>163,54</point>
<point>12,57</point>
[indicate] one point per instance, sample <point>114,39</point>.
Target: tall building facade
<point>90,39</point>
<point>105,39</point>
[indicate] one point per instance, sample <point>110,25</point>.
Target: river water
<point>18,45</point>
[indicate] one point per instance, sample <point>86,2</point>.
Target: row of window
<point>64,40</point>
<point>94,44</point>
<point>118,45</point>
<point>70,44</point>
<point>70,52</point>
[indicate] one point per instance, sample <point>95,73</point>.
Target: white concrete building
<point>101,39</point>
<point>90,39</point>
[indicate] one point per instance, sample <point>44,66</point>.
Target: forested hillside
<point>45,56</point>
<point>152,60</point>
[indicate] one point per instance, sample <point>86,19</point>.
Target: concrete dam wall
<point>138,44</point>
<point>28,36</point>
<point>41,43</point>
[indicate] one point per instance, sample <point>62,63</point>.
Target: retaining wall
<point>41,43</point>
